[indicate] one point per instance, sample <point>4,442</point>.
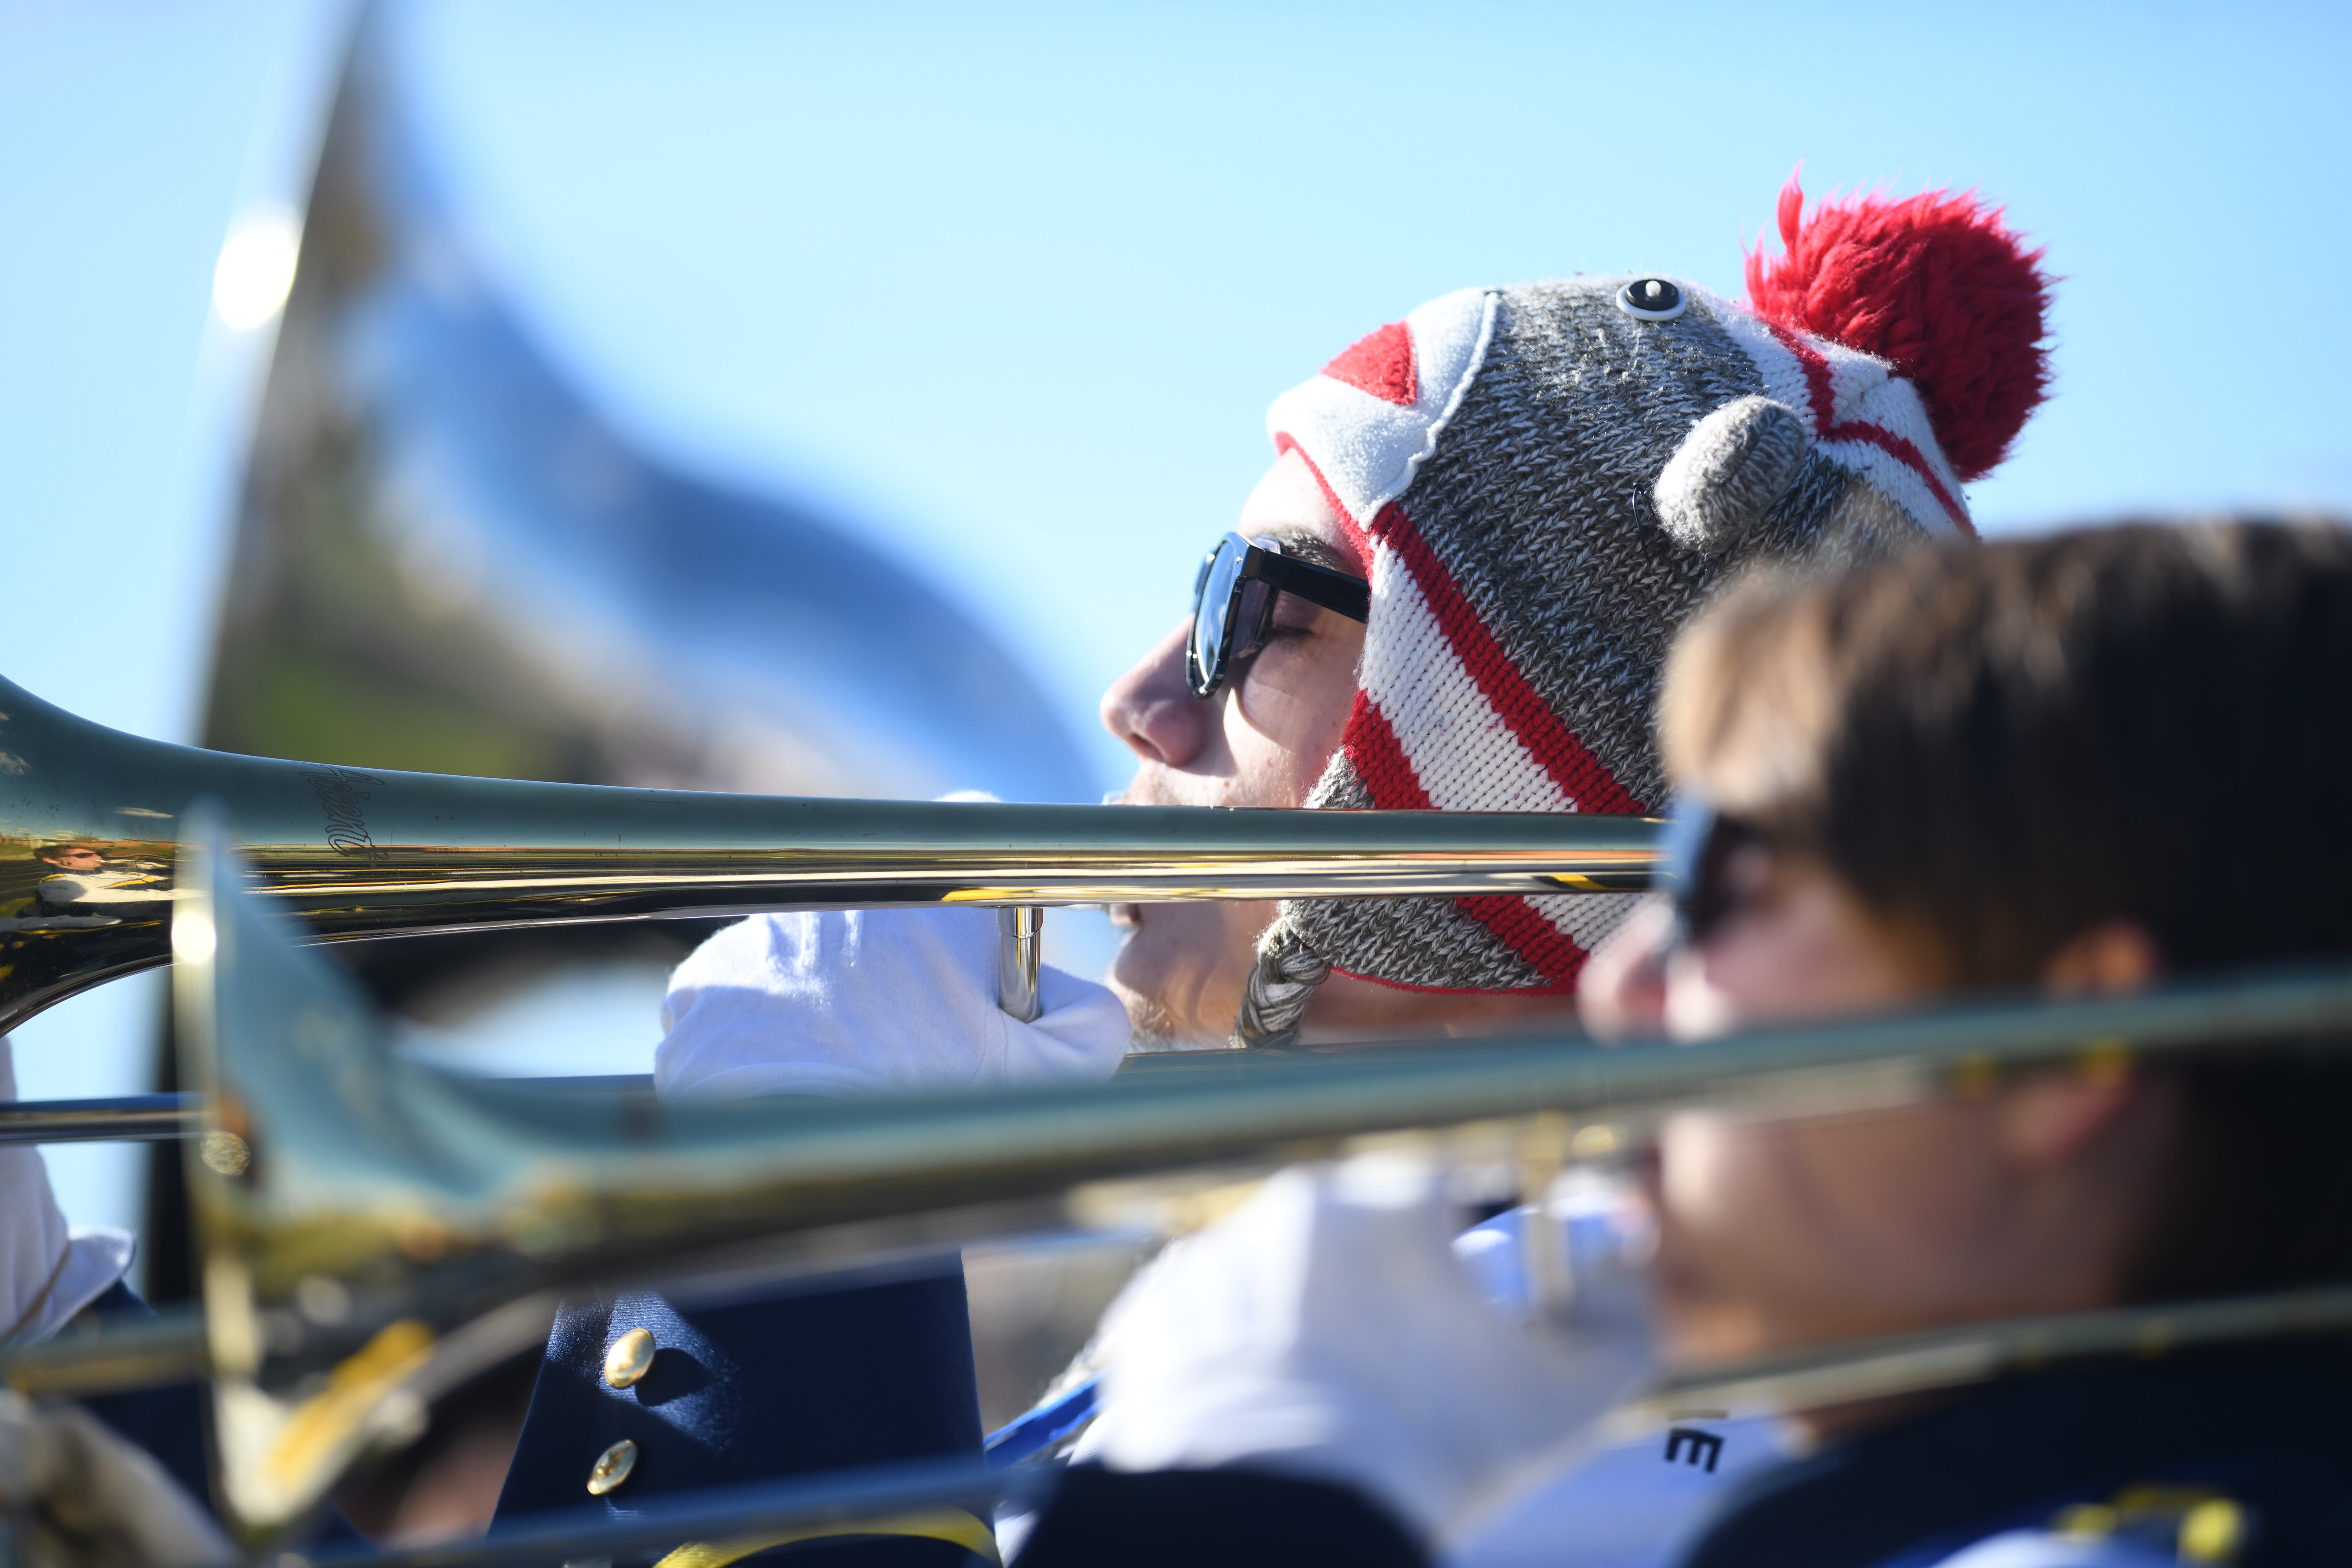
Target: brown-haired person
<point>1961,769</point>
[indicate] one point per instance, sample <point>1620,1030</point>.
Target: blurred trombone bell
<point>256,270</point>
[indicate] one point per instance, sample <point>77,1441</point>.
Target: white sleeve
<point>2046,1549</point>
<point>1325,1329</point>
<point>96,1497</point>
<point>46,1273</point>
<point>852,1002</point>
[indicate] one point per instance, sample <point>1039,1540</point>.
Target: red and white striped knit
<point>1547,483</point>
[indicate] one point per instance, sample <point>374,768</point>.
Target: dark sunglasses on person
<point>1232,603</point>
<point>1700,844</point>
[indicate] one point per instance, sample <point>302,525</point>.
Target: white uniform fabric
<point>1325,1330</point>
<point>2050,1549</point>
<point>138,884</point>
<point>1635,1503</point>
<point>855,1002</point>
<point>47,1272</point>
<point>93,1500</point>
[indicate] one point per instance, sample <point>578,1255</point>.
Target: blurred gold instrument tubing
<point>372,1231</point>
<point>90,817</point>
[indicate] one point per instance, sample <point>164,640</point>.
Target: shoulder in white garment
<point>2047,1549</point>
<point>1633,1504</point>
<point>852,1002</point>
<point>1628,1506</point>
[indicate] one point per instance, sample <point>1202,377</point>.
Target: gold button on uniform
<point>629,1358</point>
<point>613,1467</point>
<point>2212,1531</point>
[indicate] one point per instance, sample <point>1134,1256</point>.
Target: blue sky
<point>1011,289</point>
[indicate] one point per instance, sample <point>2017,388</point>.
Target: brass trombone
<point>372,1232</point>
<point>379,853</point>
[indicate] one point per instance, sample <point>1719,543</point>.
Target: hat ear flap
<point>1731,470</point>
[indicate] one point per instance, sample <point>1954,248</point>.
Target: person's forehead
<point>1288,500</point>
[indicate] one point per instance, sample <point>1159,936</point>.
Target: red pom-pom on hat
<point>1935,283</point>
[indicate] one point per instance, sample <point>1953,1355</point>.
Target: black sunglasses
<point>1232,603</point>
<point>1698,844</point>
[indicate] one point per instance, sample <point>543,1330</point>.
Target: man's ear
<point>2107,959</point>
<point>2050,1118</point>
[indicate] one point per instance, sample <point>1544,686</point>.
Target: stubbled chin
<point>1157,976</point>
<point>1698,1322</point>
<point>1140,990</point>
<point>1181,966</point>
<point>1151,1028</point>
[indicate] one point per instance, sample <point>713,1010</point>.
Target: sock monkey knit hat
<point>1548,480</point>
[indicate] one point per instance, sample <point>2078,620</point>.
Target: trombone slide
<point>374,853</point>
<point>388,1226</point>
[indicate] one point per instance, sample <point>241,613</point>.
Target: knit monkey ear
<point>1731,470</point>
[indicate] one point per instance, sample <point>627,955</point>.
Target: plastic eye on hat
<point>1651,299</point>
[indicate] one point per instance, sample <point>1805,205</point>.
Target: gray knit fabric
<point>1542,499</point>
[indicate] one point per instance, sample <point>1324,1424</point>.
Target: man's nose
<point>1153,710</point>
